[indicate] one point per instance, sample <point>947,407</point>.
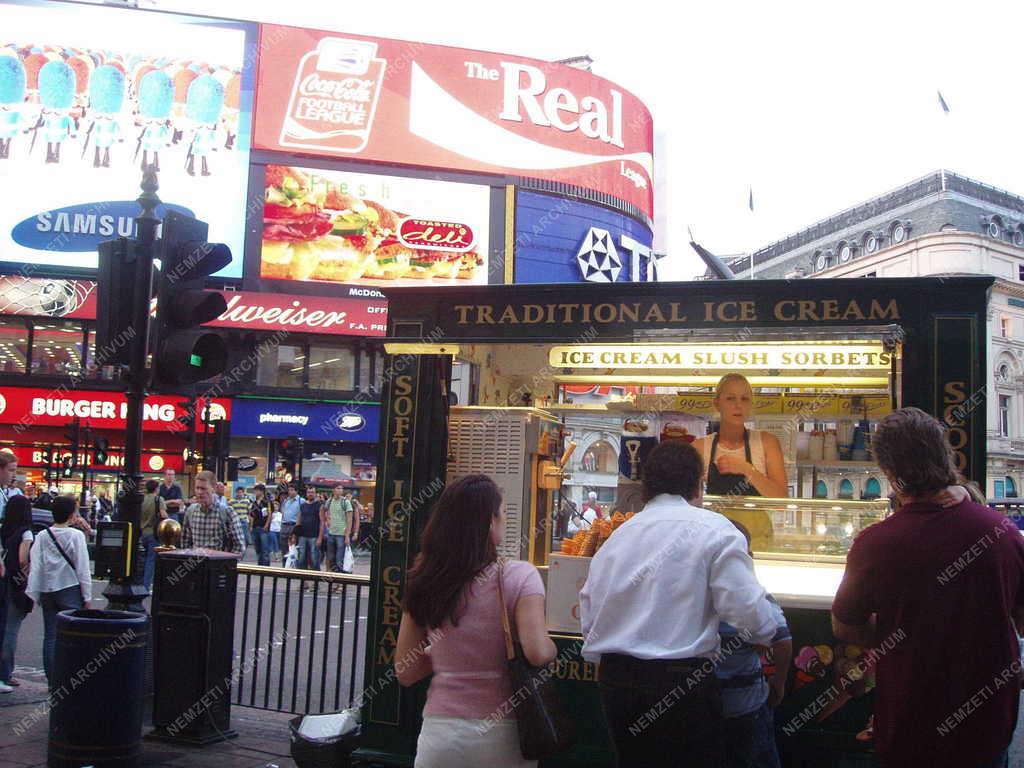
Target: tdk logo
<point>600,262</point>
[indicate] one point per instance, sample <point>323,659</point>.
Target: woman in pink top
<point>451,628</point>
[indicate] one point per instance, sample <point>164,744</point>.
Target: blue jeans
<point>53,603</point>
<point>336,552</point>
<point>750,740</point>
<point>262,541</point>
<point>245,529</point>
<point>274,540</point>
<point>14,618</point>
<point>149,563</point>
<point>309,555</point>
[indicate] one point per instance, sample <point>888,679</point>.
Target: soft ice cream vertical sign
<point>335,96</point>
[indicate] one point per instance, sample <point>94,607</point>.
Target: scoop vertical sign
<point>450,108</point>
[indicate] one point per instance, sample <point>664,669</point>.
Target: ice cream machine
<point>522,450</point>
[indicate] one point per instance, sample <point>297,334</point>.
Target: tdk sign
<point>599,261</point>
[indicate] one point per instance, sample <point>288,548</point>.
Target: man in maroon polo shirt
<point>936,592</point>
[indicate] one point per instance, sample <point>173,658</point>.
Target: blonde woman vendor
<point>740,461</point>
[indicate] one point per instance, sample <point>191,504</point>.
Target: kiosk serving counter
<point>825,360</point>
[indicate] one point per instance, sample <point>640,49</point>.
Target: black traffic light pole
<point>127,594</point>
<point>85,464</point>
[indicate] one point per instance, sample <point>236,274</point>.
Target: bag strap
<point>62,552</point>
<point>510,652</point>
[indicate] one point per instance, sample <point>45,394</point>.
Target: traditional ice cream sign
<point>449,108</point>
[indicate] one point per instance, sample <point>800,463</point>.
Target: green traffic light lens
<point>195,360</point>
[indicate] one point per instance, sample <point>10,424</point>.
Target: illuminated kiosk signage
<point>724,356</point>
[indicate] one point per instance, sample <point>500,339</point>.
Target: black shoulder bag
<point>544,726</point>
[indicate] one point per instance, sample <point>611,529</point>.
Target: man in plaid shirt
<point>209,525</point>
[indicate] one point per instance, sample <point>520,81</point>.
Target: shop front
<point>825,361</point>
<point>74,438</point>
<point>294,441</point>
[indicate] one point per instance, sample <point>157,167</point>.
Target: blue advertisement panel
<point>311,421</point>
<point>567,241</point>
<point>88,95</point>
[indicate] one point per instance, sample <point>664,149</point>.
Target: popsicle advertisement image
<point>88,96</point>
<point>342,227</point>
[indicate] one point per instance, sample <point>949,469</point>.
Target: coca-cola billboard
<point>328,94</point>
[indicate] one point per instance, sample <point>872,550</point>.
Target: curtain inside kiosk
<point>820,395</point>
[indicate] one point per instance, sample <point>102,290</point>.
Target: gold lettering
<point>589,672</point>
<point>676,317</point>
<point>853,312</point>
<point>402,406</point>
<point>784,310</point>
<point>586,313</point>
<point>830,309</point>
<point>709,310</point>
<point>484,315</point>
<point>533,314</point>
<point>629,311</point>
<point>654,314</point>
<point>390,614</point>
<point>391,596</point>
<point>890,311</point>
<point>387,574</point>
<point>389,636</point>
<point>509,316</point>
<point>385,655</point>
<point>567,310</point>
<point>550,319</point>
<point>463,310</point>
<point>574,670</point>
<point>403,385</point>
<point>807,311</point>
<point>604,313</point>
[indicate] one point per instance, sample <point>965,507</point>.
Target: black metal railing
<point>300,639</point>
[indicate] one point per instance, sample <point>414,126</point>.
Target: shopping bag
<point>349,562</point>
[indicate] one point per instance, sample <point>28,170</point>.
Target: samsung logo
<point>82,227</point>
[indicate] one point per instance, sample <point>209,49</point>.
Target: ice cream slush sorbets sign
<point>90,95</point>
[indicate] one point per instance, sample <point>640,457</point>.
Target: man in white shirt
<point>650,612</point>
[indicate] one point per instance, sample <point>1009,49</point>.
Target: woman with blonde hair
<point>740,461</point>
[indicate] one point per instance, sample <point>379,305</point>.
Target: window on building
<point>13,344</point>
<point>281,365</point>
<point>845,489</point>
<point>820,490</point>
<point>1020,271</point>
<point>57,348</point>
<point>999,489</point>
<point>604,495</point>
<point>898,233</point>
<point>600,457</point>
<point>1011,487</point>
<point>1006,327</point>
<point>872,488</point>
<point>331,367</point>
<point>1004,415</point>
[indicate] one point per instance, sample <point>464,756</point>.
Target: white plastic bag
<point>329,726</point>
<point>349,562</point>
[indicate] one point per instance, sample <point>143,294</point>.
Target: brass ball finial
<point>169,534</point>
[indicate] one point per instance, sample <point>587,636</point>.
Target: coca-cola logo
<point>425,234</point>
<point>348,89</point>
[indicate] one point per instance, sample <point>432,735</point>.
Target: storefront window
<point>331,368</point>
<point>57,348</point>
<point>13,345</point>
<point>281,366</point>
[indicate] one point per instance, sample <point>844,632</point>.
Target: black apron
<point>725,484</point>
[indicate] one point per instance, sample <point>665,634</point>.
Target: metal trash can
<point>97,689</point>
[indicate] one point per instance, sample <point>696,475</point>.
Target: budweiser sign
<point>334,97</point>
<point>303,314</point>
<point>433,106</point>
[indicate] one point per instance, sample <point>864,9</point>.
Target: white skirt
<point>455,742</point>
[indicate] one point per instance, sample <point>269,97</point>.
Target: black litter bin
<point>97,689</point>
<point>330,752</point>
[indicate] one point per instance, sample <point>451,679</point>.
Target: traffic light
<point>221,447</point>
<point>68,464</point>
<point>184,353</point>
<point>116,278</point>
<point>73,435</point>
<point>99,452</point>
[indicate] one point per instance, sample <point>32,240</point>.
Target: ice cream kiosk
<point>826,359</point>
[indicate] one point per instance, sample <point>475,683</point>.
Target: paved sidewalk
<point>262,737</point>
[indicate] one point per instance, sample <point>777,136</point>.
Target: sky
<point>815,107</point>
